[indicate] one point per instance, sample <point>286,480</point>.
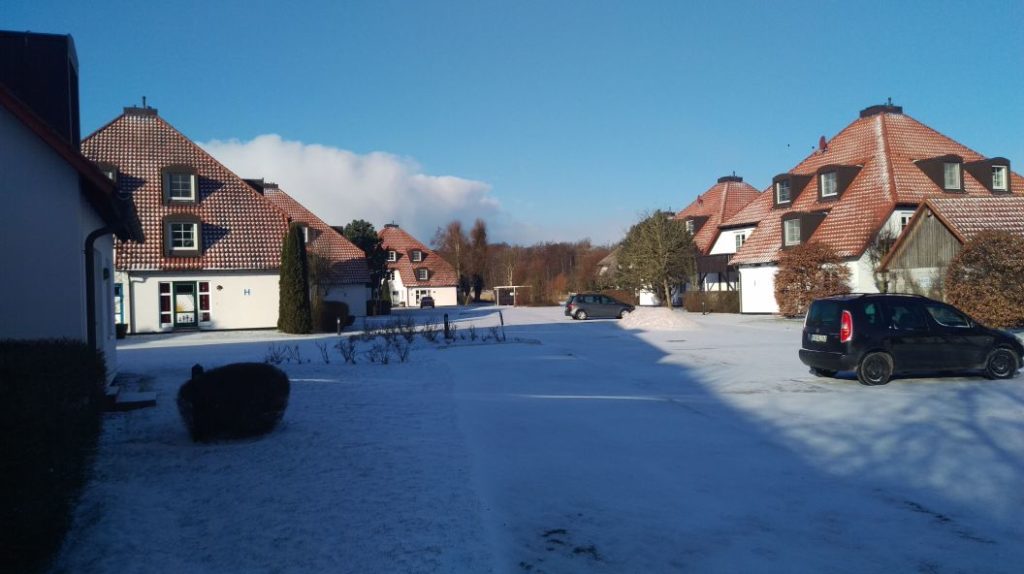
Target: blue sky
<point>554,120</point>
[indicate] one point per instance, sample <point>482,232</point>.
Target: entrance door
<point>184,305</point>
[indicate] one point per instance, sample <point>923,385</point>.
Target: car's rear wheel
<point>1002,363</point>
<point>581,314</point>
<point>623,313</point>
<point>823,372</point>
<point>875,369</point>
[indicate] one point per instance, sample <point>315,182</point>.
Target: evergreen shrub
<point>234,401</point>
<point>51,406</point>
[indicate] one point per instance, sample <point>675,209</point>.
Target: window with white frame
<point>184,236</point>
<point>180,185</point>
<point>782,191</point>
<point>422,274</point>
<point>741,238</point>
<point>688,224</point>
<point>791,232</point>
<point>951,175</point>
<point>999,177</point>
<point>829,184</point>
<point>905,220</point>
<point>392,256</point>
<point>417,255</point>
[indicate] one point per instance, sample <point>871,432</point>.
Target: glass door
<point>184,304</point>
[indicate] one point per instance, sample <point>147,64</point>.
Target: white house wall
<point>244,300</point>
<point>757,289</point>
<point>726,242</point>
<point>399,294</point>
<point>443,296</point>
<point>44,294</point>
<point>355,296</point>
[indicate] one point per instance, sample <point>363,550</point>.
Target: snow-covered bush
<point>986,279</point>
<point>234,401</point>
<point>808,272</point>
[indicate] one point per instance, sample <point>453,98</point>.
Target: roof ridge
<point>889,169</point>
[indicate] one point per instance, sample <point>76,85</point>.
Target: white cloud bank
<point>339,185</point>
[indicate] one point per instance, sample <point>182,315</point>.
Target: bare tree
<point>657,255</point>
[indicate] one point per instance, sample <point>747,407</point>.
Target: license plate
<point>819,338</point>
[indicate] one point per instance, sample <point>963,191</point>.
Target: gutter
<point>90,284</point>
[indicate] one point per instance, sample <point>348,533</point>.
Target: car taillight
<point>846,327</point>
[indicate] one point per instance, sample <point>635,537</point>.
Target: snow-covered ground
<point>597,446</point>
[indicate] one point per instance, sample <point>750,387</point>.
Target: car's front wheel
<point>875,369</point>
<point>581,315</point>
<point>1002,363</point>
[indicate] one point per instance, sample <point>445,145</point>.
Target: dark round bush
<point>234,401</point>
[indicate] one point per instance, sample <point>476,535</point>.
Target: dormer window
<point>416,255</point>
<point>741,238</point>
<point>829,184</point>
<point>951,175</point>
<point>180,185</point>
<point>791,232</point>
<point>783,193</point>
<point>688,224</point>
<point>392,256</point>
<point>1000,178</point>
<point>305,234</point>
<point>422,274</point>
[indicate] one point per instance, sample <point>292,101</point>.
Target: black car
<point>426,301</point>
<point>880,334</point>
<point>592,305</point>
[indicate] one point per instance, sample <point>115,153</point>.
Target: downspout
<point>90,284</point>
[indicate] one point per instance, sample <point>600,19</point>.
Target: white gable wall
<point>726,242</point>
<point>43,293</point>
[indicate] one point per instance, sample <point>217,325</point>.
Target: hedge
<point>51,406</point>
<point>330,312</point>
<point>712,301</point>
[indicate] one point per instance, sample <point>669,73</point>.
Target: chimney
<point>886,108</point>
<point>41,70</point>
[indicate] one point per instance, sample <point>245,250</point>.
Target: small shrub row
<point>712,301</point>
<point>51,405</point>
<point>330,312</point>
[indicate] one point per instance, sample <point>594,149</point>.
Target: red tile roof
<point>966,217</point>
<point>720,202</point>
<point>886,145</point>
<point>347,262</point>
<point>97,188</point>
<point>969,216</point>
<point>241,230</point>
<point>394,238</point>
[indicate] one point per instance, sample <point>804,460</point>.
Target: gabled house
<point>716,244</point>
<point>415,271</point>
<point>871,176</point>
<point>212,248</point>
<point>342,273</point>
<point>62,212</point>
<point>938,230</point>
